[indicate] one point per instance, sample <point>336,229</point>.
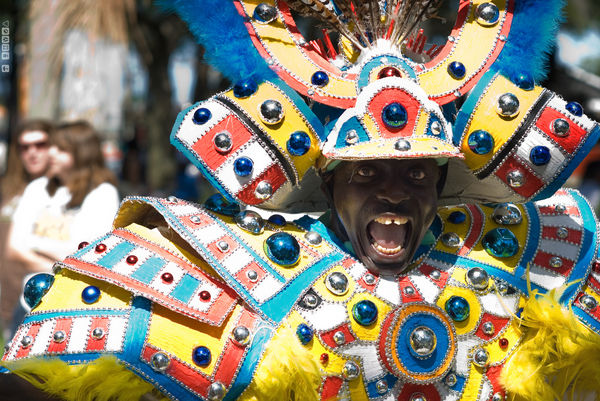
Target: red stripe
<point>217,252</point>
<point>331,387</point>
<point>429,391</point>
<point>94,344</point>
<point>273,174</point>
<point>32,332</point>
<point>594,284</point>
<point>497,321</point>
<point>551,211</point>
<point>327,336</point>
<point>532,183</point>
<point>493,374</point>
<point>385,328</point>
<point>404,283</point>
<point>391,95</point>
<point>595,313</point>
<point>475,232</point>
<point>242,276</point>
<point>574,236</point>
<point>569,142</point>
<point>63,325</point>
<point>543,259</point>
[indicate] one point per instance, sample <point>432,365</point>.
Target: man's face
<point>386,208</point>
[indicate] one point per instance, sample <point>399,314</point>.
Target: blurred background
<point>129,68</point>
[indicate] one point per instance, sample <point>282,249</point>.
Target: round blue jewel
<point>202,115</point>
<point>481,142</point>
<point>394,115</point>
<point>457,217</point>
<point>575,109</point>
<point>364,312</point>
<point>457,308</point>
<point>277,219</point>
<point>245,88</point>
<point>218,204</point>
<point>524,81</point>
<point>457,69</point>
<point>298,144</point>
<point>90,294</point>
<point>304,333</point>
<point>243,166</point>
<point>320,78</point>
<point>501,243</point>
<point>201,356</point>
<point>282,248</point>
<point>539,155</point>
<point>36,287</point>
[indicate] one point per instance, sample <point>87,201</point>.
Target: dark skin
<point>384,208</point>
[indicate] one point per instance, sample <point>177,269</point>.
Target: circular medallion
<point>201,356</point>
<point>271,112</point>
<point>90,294</point>
<point>560,127</point>
<point>539,155</point>
<point>243,166</point>
<point>337,283</point>
<point>263,190</point>
<point>508,105</point>
<point>223,142</point>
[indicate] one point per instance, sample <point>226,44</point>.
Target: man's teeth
<point>387,220</point>
<point>387,251</point>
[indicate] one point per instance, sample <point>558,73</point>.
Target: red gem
<point>83,244</point>
<point>132,259</point>
<point>503,343</point>
<point>389,72</point>
<point>167,278</point>
<point>205,295</point>
<point>324,358</point>
<point>100,248</point>
<point>596,266</point>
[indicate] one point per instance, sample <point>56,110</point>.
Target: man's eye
<point>417,174</point>
<point>365,171</point>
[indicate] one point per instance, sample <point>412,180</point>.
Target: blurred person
<point>590,185</point>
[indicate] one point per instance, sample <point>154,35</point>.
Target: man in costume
<point>452,266</point>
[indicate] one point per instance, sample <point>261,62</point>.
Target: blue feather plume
<point>219,28</point>
<point>531,38</point>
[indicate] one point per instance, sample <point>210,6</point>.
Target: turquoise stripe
<point>135,337</point>
<point>116,254</point>
<point>147,271</point>
<point>185,289</point>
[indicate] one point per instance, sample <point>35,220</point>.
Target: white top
<point>43,223</point>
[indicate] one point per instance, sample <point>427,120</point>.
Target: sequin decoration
<point>364,312</point>
<point>524,81</point>
<point>241,335</point>
<point>477,278</point>
<point>388,72</point>
<point>250,221</point>
<point>223,142</point>
<point>304,333</point>
<point>201,116</point>
<point>271,112</point>
<point>480,357</point>
<point>560,127</point>
<point>575,109</point>
<point>160,361</point>
<point>350,371</point>
<point>282,248</point>
<point>457,70</point>
<point>36,287</point>
<point>508,105</point>
<point>263,190</point>
<point>337,283</point>
<point>90,294</point>
<point>457,217</point>
<point>245,88</point>
<point>501,243</point>
<point>243,166</point>
<point>216,391</point>
<point>298,143</point>
<point>277,219</point>
<point>394,116</point>
<point>487,14</point>
<point>507,214</point>
<point>320,79</point>
<point>481,142</point>
<point>515,178</point>
<point>539,155</point>
<point>422,341</point>
<point>457,308</point>
<point>201,356</point>
<point>218,204</point>
<point>402,145</point>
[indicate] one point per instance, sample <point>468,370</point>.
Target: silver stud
<point>502,287</point>
<point>451,38</point>
<point>223,142</point>
<point>556,262</point>
<point>562,232</point>
<point>172,199</point>
<point>418,397</point>
<point>265,13</point>
<point>384,60</point>
<point>560,208</point>
<point>588,302</point>
<point>408,290</point>
<point>26,341</point>
<point>436,128</point>
<point>223,246</point>
<point>450,380</point>
<point>302,42</point>
<point>311,300</point>
<point>502,38</point>
<point>339,338</point>
<point>487,14</point>
<point>313,238</point>
<point>195,219</point>
<point>216,392</point>
<point>381,386</point>
<point>270,61</point>
<point>477,278</point>
<point>435,274</point>
<point>350,371</point>
<point>451,239</point>
<point>498,397</point>
<point>311,92</point>
<point>250,221</point>
<point>515,178</point>
<point>508,105</point>
<point>160,361</point>
<point>369,279</point>
<point>252,275</point>
<point>98,333</point>
<point>480,357</point>
<point>423,341</point>
<point>488,328</point>
<point>59,336</point>
<point>560,127</point>
<point>337,283</point>
<point>351,137</point>
<point>264,190</point>
<point>241,335</point>
<point>507,214</point>
<point>271,112</point>
<point>402,145</point>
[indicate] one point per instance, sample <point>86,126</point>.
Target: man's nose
<point>393,191</point>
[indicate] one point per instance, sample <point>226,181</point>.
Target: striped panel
<point>534,138</point>
<point>189,132</point>
<point>261,162</point>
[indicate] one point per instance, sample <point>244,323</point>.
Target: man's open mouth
<point>388,234</point>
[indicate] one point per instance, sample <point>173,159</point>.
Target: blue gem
<point>524,81</point>
<point>575,109</point>
<point>364,312</point>
<point>320,78</point>
<point>216,203</point>
<point>457,69</point>
<point>394,116</point>
<point>282,248</point>
<point>90,294</point>
<point>36,287</point>
<point>277,220</point>
<point>458,308</point>
<point>298,144</point>
<point>501,243</point>
<point>245,88</point>
<point>304,333</point>
<point>457,217</point>
<point>201,356</point>
<point>201,116</point>
<point>481,142</point>
<point>539,155</point>
<point>243,166</point>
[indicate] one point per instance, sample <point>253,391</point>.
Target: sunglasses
<point>40,145</point>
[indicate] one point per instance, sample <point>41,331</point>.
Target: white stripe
<point>369,357</point>
<point>261,160</point>
<point>79,334</point>
<point>428,290</point>
<point>535,138</point>
<point>159,285</point>
<point>183,210</point>
<point>565,250</point>
<point>237,260</point>
<point>493,305</point>
<point>563,220</point>
<point>559,104</point>
<point>554,200</point>
<point>197,303</point>
<point>15,344</point>
<point>388,289</point>
<point>545,278</point>
<point>92,256</point>
<point>189,132</point>
<point>264,290</point>
<point>327,316</point>
<point>463,346</point>
<point>207,234</point>
<point>124,268</point>
<point>357,270</point>
<point>42,339</point>
<point>116,334</point>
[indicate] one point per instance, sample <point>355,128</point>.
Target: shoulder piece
<point>546,244</point>
<point>269,269</point>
